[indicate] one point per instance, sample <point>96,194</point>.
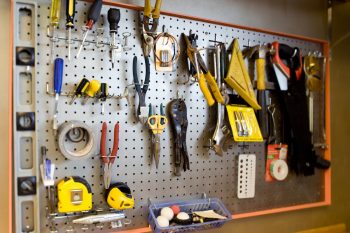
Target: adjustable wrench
<point>218,137</point>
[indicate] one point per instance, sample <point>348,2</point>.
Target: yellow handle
<point>156,11</point>
<point>204,88</point>
<point>260,72</point>
<point>55,12</point>
<point>157,127</point>
<point>214,88</point>
<point>147,10</point>
<point>93,88</point>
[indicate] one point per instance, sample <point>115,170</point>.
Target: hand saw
<point>282,53</point>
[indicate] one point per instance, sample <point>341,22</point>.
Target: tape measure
<point>279,169</point>
<point>74,194</point>
<point>119,196</point>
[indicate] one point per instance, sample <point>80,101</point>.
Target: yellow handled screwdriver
<point>54,22</point>
<point>70,13</point>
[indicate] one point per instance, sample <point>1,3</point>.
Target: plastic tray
<point>189,206</point>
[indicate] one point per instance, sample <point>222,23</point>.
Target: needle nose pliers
<point>108,160</point>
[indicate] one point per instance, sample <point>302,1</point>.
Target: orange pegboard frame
<point>327,173</point>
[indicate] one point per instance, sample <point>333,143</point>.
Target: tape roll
<point>63,134</point>
<point>279,169</point>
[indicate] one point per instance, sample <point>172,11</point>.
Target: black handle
<point>103,92</point>
<point>70,12</point>
<point>113,19</point>
<point>81,86</point>
<point>285,51</point>
<point>95,11</point>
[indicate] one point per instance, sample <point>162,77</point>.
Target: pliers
<point>203,74</point>
<point>157,124</point>
<point>149,13</point>
<point>108,160</point>
<point>142,109</point>
<point>147,32</point>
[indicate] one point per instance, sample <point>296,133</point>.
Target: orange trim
<point>169,13</point>
<point>325,44</point>
<point>10,167</point>
<point>138,230</point>
<point>278,210</point>
<point>327,180</point>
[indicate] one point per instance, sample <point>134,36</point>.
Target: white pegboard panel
<point>216,176</point>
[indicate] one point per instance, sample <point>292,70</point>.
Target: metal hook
<point>99,34</point>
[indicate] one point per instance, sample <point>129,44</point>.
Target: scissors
<point>108,160</point>
<point>157,124</point>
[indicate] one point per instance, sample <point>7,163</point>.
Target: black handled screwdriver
<point>70,13</point>
<point>94,13</point>
<point>103,95</point>
<point>80,89</point>
<point>113,17</point>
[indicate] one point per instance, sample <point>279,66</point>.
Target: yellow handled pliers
<point>204,76</point>
<point>149,13</point>
<point>156,123</point>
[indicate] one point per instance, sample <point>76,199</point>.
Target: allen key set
<point>249,123</point>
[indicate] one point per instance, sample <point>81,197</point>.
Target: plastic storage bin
<point>189,206</point>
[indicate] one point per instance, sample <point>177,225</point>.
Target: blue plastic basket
<point>189,206</point>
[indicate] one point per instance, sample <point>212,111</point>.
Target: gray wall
<point>303,17</point>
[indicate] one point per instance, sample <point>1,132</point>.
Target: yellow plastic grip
<point>204,88</point>
<point>55,12</point>
<point>93,88</point>
<point>214,88</point>
<point>156,11</point>
<point>260,72</point>
<point>147,10</point>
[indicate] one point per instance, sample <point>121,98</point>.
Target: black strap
<point>301,154</point>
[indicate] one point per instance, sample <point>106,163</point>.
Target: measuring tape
<point>279,169</point>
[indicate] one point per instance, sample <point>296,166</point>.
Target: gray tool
<point>218,137</point>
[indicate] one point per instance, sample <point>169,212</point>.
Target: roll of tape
<point>279,169</point>
<point>84,153</point>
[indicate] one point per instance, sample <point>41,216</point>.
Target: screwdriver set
<point>117,107</point>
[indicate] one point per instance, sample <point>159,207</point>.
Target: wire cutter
<point>141,91</point>
<point>203,74</point>
<point>149,13</point>
<point>148,32</point>
<point>157,124</point>
<point>108,160</point>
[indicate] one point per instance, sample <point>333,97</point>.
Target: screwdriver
<point>91,90</point>
<point>113,17</point>
<point>94,13</point>
<point>103,96</point>
<point>57,79</point>
<point>70,13</point>
<point>54,22</point>
<point>80,89</point>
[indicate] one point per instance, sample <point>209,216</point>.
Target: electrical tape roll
<point>279,169</point>
<point>84,153</point>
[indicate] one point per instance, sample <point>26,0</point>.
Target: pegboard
<point>216,176</point>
